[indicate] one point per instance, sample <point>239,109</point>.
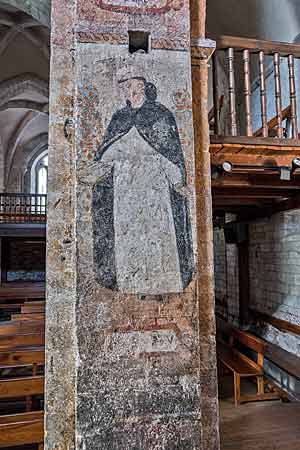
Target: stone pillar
<point>123,317</point>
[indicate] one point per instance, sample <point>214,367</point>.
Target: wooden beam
<point>255,181</point>
<point>261,159</point>
<point>256,141</point>
<point>251,192</point>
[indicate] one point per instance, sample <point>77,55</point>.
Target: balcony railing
<point>255,91</point>
<point>23,208</point>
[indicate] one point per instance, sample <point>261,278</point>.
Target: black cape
<point>157,125</point>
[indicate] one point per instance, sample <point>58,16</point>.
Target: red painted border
<point>169,4</point>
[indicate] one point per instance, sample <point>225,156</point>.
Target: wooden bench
<point>15,341</point>
<point>22,357</point>
<point>21,387</point>
<point>231,355</point>
<point>22,429</point>
<point>28,316</point>
<point>21,327</point>
<point>33,307</point>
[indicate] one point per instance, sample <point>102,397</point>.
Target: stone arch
<point>18,85</point>
<point>19,177</point>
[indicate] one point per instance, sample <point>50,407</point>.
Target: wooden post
<point>201,50</point>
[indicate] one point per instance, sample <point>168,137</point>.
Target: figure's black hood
<point>157,125</point>
<point>154,122</point>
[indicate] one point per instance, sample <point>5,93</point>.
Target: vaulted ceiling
<point>24,78</point>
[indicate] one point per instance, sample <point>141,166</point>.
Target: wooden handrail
<point>256,45</point>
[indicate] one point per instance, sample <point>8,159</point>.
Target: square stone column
<point>123,317</point>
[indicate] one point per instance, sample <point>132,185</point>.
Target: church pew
<point>231,355</point>
<point>19,433</point>
<point>21,327</point>
<point>30,316</point>
<point>21,417</point>
<point>21,340</point>
<point>22,357</point>
<point>21,387</point>
<point>33,307</point>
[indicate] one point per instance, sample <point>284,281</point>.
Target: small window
<point>39,174</point>
<point>139,41</point>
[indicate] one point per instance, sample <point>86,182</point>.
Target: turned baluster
<point>293,96</point>
<point>263,95</point>
<point>278,98</point>
<point>247,92</point>
<point>232,104</point>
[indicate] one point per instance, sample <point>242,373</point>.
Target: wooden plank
<point>23,417</point>
<point>21,340</point>
<point>257,45</point>
<point>234,362</point>
<point>26,327</point>
<point>26,357</point>
<point>253,181</point>
<point>21,387</point>
<point>246,140</point>
<point>22,433</point>
<point>29,308</point>
<point>28,316</point>
<point>249,340</point>
<point>252,192</point>
<point>267,162</point>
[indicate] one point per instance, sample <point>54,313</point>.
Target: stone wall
<point>274,274</point>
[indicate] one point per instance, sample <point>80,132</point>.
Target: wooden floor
<point>257,426</point>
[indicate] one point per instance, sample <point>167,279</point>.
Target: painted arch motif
<point>141,6</point>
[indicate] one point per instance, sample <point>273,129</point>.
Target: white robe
<point>146,254</point>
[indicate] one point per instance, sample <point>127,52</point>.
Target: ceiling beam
<point>272,161</point>
<point>246,180</point>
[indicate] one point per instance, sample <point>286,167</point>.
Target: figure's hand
<point>93,172</point>
<point>184,190</point>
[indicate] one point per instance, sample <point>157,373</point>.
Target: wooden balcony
<point>254,127</point>
<point>20,208</point>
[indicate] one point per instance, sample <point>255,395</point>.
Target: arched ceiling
<point>24,78</point>
<point>40,10</point>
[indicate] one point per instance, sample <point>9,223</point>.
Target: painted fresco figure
<point>141,224</point>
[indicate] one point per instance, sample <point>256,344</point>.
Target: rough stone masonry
<point>123,358</point>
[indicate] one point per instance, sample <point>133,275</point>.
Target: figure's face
<point>134,91</point>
